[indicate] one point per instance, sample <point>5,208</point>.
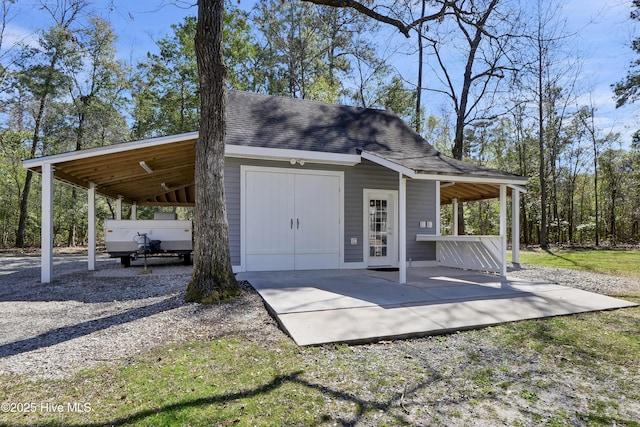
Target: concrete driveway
<point>324,306</point>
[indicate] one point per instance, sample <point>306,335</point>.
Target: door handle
<point>292,223</point>
<point>297,223</point>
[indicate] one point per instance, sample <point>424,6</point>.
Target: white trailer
<point>126,239</point>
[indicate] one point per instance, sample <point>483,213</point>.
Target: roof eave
<point>367,155</point>
<point>488,179</point>
<point>290,155</point>
<point>108,149</point>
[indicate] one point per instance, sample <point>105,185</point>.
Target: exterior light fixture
<point>146,167</point>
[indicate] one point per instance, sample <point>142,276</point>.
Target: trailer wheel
<point>186,260</point>
<point>125,261</point>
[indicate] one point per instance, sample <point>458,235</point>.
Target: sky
<point>602,28</point>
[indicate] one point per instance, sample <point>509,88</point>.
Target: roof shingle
<point>277,122</point>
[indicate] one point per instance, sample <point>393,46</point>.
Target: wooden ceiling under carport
<point>172,164</point>
<point>120,174</point>
<point>468,192</point>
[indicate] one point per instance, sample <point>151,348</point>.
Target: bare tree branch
<point>404,28</point>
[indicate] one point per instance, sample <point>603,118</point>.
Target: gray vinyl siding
<point>420,204</point>
<point>421,196</point>
<point>232,195</point>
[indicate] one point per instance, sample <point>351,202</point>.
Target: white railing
<point>483,253</point>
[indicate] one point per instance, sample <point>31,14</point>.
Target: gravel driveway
<point>83,318</point>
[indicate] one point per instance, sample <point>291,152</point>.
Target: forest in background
<point>509,74</point>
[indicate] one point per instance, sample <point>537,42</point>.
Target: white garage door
<point>292,220</point>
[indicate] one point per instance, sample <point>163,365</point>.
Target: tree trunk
<point>595,188</point>
<point>418,124</point>
<point>212,278</point>
<point>21,234</point>
<point>544,244</point>
<point>461,112</point>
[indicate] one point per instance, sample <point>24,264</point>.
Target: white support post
<point>503,229</point>
<point>454,217</point>
<point>438,208</point>
<point>134,211</point>
<point>118,217</point>
<point>119,208</point>
<point>91,249</point>
<point>402,212</point>
<point>515,227</point>
<point>46,237</point>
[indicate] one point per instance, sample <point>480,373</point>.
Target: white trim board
<point>291,155</point>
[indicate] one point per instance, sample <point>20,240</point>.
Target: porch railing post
<point>503,229</point>
<point>515,226</point>
<point>454,204</point>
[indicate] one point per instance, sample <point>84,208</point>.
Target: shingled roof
<point>276,122</point>
<point>266,122</point>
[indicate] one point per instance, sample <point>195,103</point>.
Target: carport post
<point>503,229</point>
<point>91,249</point>
<point>454,216</point>
<point>134,211</point>
<point>402,241</point>
<point>119,207</point>
<point>46,230</point>
<point>515,226</point>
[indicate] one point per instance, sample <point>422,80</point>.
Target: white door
<point>292,220</point>
<point>269,221</point>
<point>317,222</point>
<point>381,228</point>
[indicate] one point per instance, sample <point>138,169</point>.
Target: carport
<point>121,172</point>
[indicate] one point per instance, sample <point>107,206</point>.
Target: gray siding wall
<point>421,196</point>
<point>232,195</point>
<point>420,203</point>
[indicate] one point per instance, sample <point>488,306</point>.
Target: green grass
<point>617,262</point>
<point>223,382</point>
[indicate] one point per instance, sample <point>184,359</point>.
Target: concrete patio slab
<point>324,306</point>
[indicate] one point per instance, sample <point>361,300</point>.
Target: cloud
<point>16,35</point>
